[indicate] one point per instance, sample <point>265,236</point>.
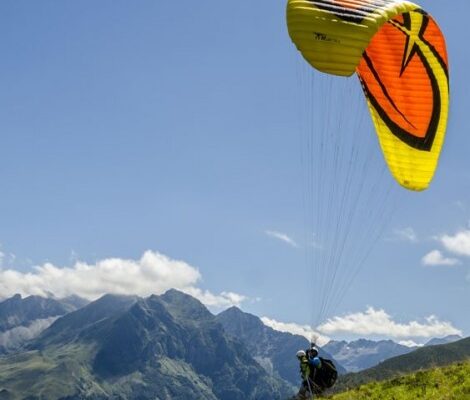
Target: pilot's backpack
<point>327,375</point>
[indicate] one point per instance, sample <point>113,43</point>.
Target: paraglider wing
<point>405,78</point>
<point>399,54</point>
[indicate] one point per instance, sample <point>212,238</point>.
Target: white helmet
<point>300,354</point>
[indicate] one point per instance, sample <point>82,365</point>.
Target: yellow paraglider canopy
<point>399,54</point>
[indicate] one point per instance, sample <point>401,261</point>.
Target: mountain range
<point>171,347</point>
<point>421,359</point>
<point>273,349</point>
<point>362,354</point>
<point>162,347</point>
<point>22,319</point>
<point>444,340</point>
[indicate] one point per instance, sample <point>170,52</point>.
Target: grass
<point>48,374</point>
<point>445,383</point>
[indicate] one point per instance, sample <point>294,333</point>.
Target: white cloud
<point>153,273</point>
<point>407,234</point>
<point>303,330</point>
<point>435,258</point>
<point>222,300</point>
<point>14,338</point>
<point>409,343</point>
<point>458,244</point>
<point>282,237</point>
<point>378,322</point>
<point>370,323</point>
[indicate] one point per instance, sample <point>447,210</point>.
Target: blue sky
<point>173,127</point>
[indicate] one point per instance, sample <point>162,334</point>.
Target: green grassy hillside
<point>421,359</point>
<point>446,383</point>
